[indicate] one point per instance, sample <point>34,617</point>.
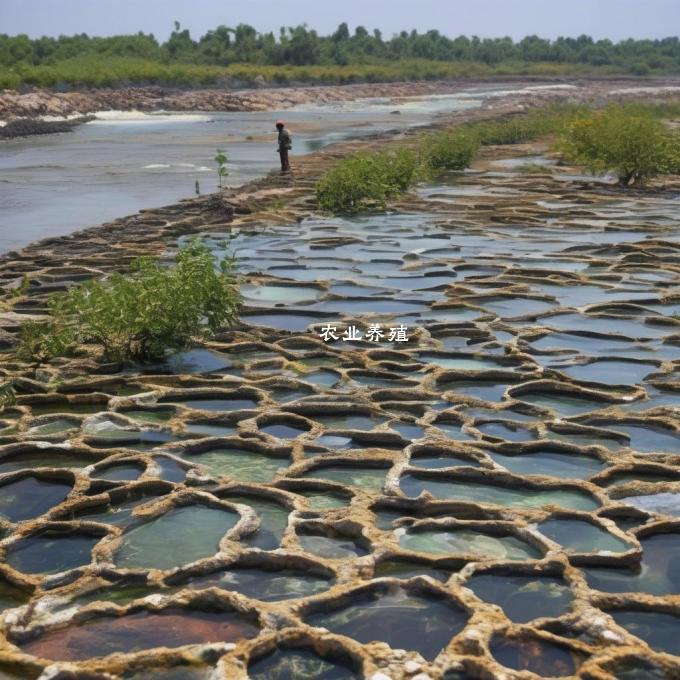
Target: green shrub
<point>628,141</point>
<point>7,394</point>
<point>41,340</point>
<point>526,127</point>
<point>141,315</point>
<point>449,150</point>
<point>367,180</point>
<point>532,169</point>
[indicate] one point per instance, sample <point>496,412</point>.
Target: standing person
<point>285,145</point>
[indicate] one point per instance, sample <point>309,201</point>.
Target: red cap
<point>279,122</point>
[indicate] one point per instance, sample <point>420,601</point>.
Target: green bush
<point>141,315</point>
<point>39,341</point>
<point>526,127</point>
<point>367,180</point>
<point>449,150</point>
<point>7,394</point>
<point>532,169</point>
<point>628,141</point>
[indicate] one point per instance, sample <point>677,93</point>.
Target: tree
<point>625,140</point>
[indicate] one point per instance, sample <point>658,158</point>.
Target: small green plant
<point>141,315</point>
<point>449,150</point>
<point>21,288</point>
<point>221,159</point>
<point>7,394</point>
<point>367,180</point>
<point>42,340</point>
<point>628,141</point>
<point>532,169</point>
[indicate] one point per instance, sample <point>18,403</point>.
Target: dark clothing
<point>285,162</point>
<point>285,145</point>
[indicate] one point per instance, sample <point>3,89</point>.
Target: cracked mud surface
<point>498,497</point>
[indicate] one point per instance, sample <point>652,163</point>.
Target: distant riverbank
<point>59,111</point>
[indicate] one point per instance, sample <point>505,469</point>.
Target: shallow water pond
<point>370,479</point>
<point>196,361</point>
<point>273,521</point>
<point>393,617</point>
<point>264,584</point>
<point>461,363</point>
<point>581,536</point>
<point>479,389</point>
<point>170,470</point>
<point>610,372</point>
<point>282,431</point>
<point>523,598</point>
<point>295,664</point>
<point>240,465</point>
<point>468,542</point>
<point>44,458</point>
<point>506,430</point>
<point>657,574</point>
<point>322,500</point>
<point>271,293</point>
<point>552,464</point>
<point>659,630</point>
<point>349,421</point>
<point>440,461</point>
<point>214,404</point>
<point>663,503</point>
<point>30,497</point>
<point>119,473</point>
<point>178,537</point>
<point>57,426</point>
<point>211,429</point>
<point>562,404</point>
<point>330,545</point>
<point>406,569</point>
<point>534,655</point>
<point>51,551</point>
<point>477,492</point>
<point>282,321</point>
<point>142,630</point>
<point>648,439</point>
<point>118,513</point>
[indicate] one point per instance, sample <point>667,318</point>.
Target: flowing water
<point>125,160</point>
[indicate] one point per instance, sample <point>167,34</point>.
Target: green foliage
<point>522,128</point>
<point>298,54</point>
<point>143,314</point>
<point>626,140</point>
<point>7,395</point>
<point>221,160</point>
<point>532,169</point>
<point>449,150</point>
<point>367,180</point>
<point>41,340</point>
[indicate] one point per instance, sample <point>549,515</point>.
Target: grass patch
<point>532,169</point>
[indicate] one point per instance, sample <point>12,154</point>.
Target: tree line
<point>301,46</point>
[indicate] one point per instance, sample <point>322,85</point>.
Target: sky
<point>613,19</point>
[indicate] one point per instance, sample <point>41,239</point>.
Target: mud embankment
<point>39,104</point>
